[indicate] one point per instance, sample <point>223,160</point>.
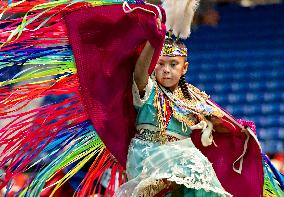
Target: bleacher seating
<point>240,63</point>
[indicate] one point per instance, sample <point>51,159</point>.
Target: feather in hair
<point>169,6</point>
<point>180,15</point>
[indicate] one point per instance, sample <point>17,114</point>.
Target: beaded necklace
<point>164,113</point>
<point>187,111</point>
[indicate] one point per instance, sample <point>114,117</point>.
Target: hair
<point>184,88</point>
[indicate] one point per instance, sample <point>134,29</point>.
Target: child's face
<point>169,70</point>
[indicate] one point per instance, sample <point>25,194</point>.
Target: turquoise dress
<point>178,161</point>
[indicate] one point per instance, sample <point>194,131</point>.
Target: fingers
<point>159,24</point>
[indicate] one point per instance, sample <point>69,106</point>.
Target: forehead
<point>169,59</point>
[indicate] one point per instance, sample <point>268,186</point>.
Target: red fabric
<point>106,43</point>
<point>230,146</point>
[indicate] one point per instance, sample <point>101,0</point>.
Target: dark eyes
<point>172,64</point>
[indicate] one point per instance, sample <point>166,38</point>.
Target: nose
<point>166,68</point>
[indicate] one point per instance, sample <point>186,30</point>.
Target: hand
<point>154,30</point>
<point>159,24</point>
<point>215,120</point>
<point>218,126</point>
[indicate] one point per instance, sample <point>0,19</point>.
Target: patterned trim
<point>173,50</point>
<point>154,189</point>
<point>197,91</point>
<point>154,136</point>
<point>156,129</point>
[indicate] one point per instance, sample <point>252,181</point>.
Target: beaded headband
<point>172,48</point>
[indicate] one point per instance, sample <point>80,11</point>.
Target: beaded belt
<point>153,136</point>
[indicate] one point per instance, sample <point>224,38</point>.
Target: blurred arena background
<point>236,56</point>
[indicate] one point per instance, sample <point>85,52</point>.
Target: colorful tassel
<point>36,61</point>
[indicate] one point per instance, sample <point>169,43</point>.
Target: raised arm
<point>143,64</point>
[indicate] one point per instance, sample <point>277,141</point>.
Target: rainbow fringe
<point>273,180</point>
<point>36,61</point>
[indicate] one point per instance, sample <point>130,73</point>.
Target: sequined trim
<point>154,136</point>
<point>155,188</point>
